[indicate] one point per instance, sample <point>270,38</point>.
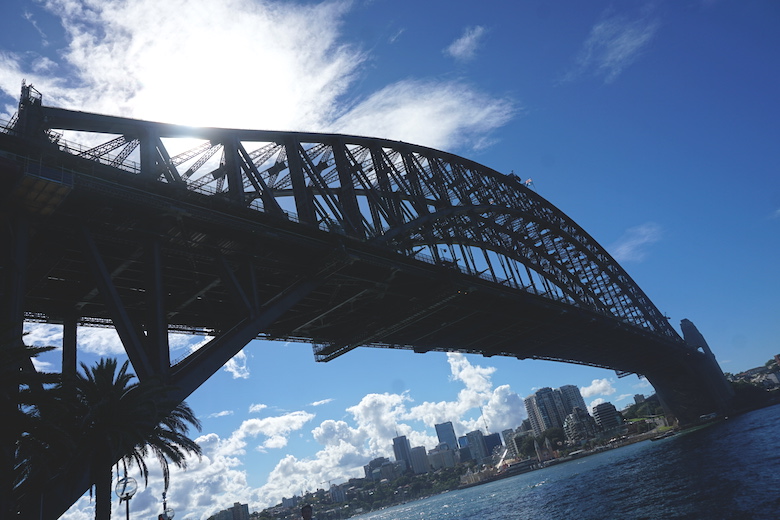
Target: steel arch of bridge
<point>342,241</point>
<point>417,201</point>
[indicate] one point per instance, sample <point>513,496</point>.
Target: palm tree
<point>28,440</point>
<point>118,418</point>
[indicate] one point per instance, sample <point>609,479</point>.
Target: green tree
<point>115,418</point>
<point>27,440</point>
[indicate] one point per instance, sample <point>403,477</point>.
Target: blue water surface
<point>729,470</point>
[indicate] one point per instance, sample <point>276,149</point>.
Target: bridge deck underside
<point>366,295</point>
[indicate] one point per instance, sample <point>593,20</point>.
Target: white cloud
<point>223,413</point>
<point>42,334</point>
<point>242,64</point>
<point>598,387</point>
<point>396,35</point>
<point>346,445</point>
<point>632,245</point>
<point>275,430</point>
<point>320,403</point>
<point>614,43</point>
<point>257,408</point>
<point>439,115</point>
<point>101,342</point>
<point>465,47</point>
<point>237,366</point>
<point>30,18</point>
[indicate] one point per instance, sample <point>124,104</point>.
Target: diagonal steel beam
<point>131,335</point>
<point>194,370</point>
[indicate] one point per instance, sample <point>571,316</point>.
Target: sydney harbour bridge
<point>336,240</point>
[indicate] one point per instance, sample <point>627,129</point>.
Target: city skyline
<point>653,125</point>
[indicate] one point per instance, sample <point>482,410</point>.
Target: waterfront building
<point>544,452</point>
<point>606,416</point>
<point>513,440</point>
<point>545,409</point>
<point>476,443</point>
<point>338,493</point>
<point>402,450</point>
<point>571,398</point>
<point>291,502</point>
<point>492,442</point>
<point>375,464</point>
<point>237,512</point>
<point>548,408</point>
<point>389,471</point>
<point>446,434</point>
<point>464,454</point>
<point>508,436</point>
<point>579,426</point>
<point>420,463</point>
<point>442,457</point>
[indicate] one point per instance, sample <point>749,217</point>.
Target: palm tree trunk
<point>103,479</point>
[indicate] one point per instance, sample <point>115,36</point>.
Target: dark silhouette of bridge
<point>340,241</point>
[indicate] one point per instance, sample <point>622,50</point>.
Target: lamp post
<point>168,512</point>
<point>125,489</point>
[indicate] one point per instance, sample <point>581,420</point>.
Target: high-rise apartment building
<point>548,408</point>
<point>492,441</point>
<point>579,426</point>
<point>420,462</point>
<point>571,398</point>
<point>402,450</point>
<point>446,434</point>
<point>606,416</point>
<point>545,409</point>
<point>477,445</point>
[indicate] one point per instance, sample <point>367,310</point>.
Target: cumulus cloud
<point>237,366</point>
<point>614,43</point>
<point>257,408</point>
<point>632,246</point>
<point>377,418</point>
<point>366,432</point>
<point>275,431</point>
<point>465,47</point>
<point>598,387</point>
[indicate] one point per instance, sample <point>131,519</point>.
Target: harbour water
<point>729,470</point>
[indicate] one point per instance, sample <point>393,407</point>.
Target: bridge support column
<point>691,387</point>
<point>69,343</point>
<point>13,259</point>
<point>157,345</point>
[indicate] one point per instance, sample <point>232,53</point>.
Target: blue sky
<point>654,125</point>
